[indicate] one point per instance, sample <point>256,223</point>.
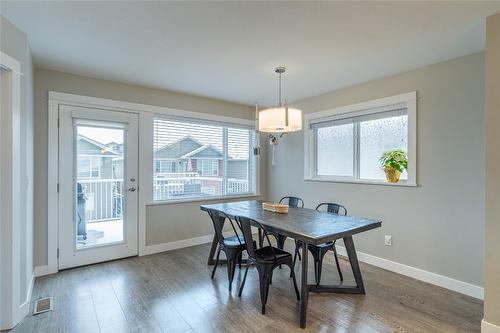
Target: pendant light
<point>280,119</point>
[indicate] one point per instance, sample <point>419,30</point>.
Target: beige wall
<point>438,226</point>
<point>164,223</point>
<point>15,44</point>
<point>492,109</point>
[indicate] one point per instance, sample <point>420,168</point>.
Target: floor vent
<point>42,305</point>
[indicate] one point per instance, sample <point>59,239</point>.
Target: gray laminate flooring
<point>173,292</point>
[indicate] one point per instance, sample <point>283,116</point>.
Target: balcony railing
<point>103,198</point>
<point>168,186</point>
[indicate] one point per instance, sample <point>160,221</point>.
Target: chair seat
<point>265,254</point>
<point>233,241</point>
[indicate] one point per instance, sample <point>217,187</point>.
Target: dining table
<point>308,226</point>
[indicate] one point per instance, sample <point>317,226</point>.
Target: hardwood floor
<point>172,292</point>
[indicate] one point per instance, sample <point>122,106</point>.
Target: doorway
<point>98,184</point>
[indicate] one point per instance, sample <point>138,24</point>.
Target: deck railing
<point>103,198</point>
<point>178,185</point>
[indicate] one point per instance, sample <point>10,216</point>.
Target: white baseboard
<point>489,327</point>
<point>151,249</point>
<point>419,274</point>
<point>157,248</point>
<point>41,270</point>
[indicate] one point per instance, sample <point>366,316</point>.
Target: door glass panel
<point>99,185</point>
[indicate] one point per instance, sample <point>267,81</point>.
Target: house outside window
<point>212,159</point>
<point>346,143</point>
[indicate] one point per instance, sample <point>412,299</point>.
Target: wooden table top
<point>308,225</point>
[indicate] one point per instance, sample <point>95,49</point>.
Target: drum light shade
<point>280,120</point>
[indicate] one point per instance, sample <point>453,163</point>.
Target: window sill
<point>360,181</point>
<point>203,199</point>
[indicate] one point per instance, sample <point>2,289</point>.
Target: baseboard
<point>41,270</point>
<point>157,248</point>
<point>419,274</point>
<point>151,249</point>
<point>489,327</point>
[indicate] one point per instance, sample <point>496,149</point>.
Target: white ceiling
<point>228,50</point>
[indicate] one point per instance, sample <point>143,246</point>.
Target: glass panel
<point>335,155</point>
<point>239,162</point>
<point>191,148</point>
<point>99,186</point>
<point>378,136</point>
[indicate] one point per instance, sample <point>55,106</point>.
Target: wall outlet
<point>388,240</point>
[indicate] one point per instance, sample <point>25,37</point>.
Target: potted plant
<point>394,162</point>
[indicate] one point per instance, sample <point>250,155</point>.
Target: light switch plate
<point>388,240</point>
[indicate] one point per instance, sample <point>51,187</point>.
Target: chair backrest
<point>333,208</point>
<point>293,202</point>
<point>245,224</point>
<point>218,219</point>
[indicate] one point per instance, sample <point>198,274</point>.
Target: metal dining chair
<point>319,251</point>
<point>266,259</point>
<point>232,246</point>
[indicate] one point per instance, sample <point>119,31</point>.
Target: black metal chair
<point>294,202</point>
<point>318,251</point>
<point>266,259</point>
<point>232,246</point>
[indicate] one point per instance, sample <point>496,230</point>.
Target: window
<point>89,167</point>
<point>206,159</point>
<point>164,166</point>
<point>345,144</point>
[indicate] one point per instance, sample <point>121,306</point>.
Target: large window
<point>346,144</point>
<point>196,159</point>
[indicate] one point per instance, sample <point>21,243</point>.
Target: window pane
<point>196,154</point>
<point>335,154</point>
<point>239,163</point>
<point>377,137</point>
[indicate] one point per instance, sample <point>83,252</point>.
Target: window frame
<point>91,164</point>
<point>407,101</point>
<point>254,177</point>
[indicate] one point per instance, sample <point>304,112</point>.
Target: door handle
<point>132,189</point>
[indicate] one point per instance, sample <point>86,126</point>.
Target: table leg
<point>359,288</point>
<point>304,288</point>
<point>353,259</point>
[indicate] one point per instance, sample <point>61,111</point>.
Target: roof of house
<point>188,147</point>
<point>93,147</point>
<point>207,151</point>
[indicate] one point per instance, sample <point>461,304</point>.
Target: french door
<point>98,183</point>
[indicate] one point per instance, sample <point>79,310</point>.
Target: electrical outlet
<point>388,240</point>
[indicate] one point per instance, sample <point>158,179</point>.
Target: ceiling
<point>228,50</point>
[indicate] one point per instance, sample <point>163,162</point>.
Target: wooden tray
<point>275,207</point>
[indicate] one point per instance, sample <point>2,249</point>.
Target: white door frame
<point>13,305</point>
<point>57,99</point>
<point>69,256</point>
